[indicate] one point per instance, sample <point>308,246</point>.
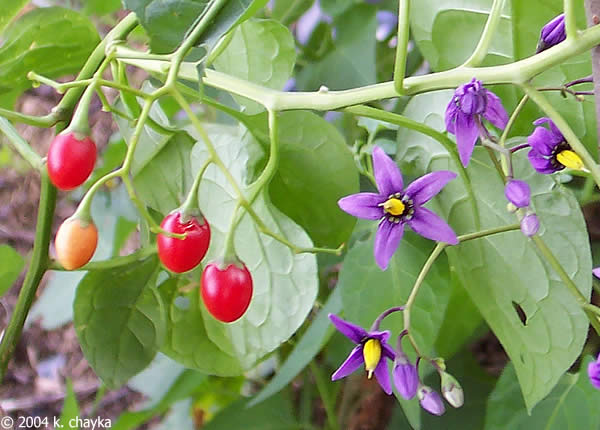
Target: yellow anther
<point>372,355</point>
<point>570,159</point>
<point>394,207</point>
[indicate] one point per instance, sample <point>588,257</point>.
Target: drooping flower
<point>530,224</point>
<point>451,390</point>
<point>395,206</point>
<point>431,401</point>
<point>470,104</point>
<point>406,378</point>
<point>550,152</point>
<point>552,33</point>
<point>518,193</point>
<point>371,349</point>
<point>594,372</point>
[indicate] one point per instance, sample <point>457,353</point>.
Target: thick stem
<point>37,268</point>
<point>570,19</point>
<point>402,46</point>
<point>491,25</point>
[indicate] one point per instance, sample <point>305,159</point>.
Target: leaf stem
<point>489,30</point>
<point>570,19</point>
<point>272,164</point>
<point>402,46</point>
<point>36,121</point>
<point>111,263</point>
<point>20,144</point>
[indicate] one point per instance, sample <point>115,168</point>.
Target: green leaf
<point>305,350</point>
<point>367,291</point>
<point>262,52</point>
<point>288,11</point>
<point>572,405</point>
<point>187,341</point>
<point>8,10</point>
<point>316,169</point>
<point>167,23</point>
<point>503,271</point>
<point>12,264</point>
<point>101,7</point>
<point>353,57</point>
<point>70,411</point>
<point>51,41</point>
<point>285,283</point>
<point>120,320</point>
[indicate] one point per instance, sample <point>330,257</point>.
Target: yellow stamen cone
<point>394,207</point>
<point>570,159</point>
<point>372,355</point>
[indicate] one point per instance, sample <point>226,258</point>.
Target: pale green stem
<point>506,156</point>
<point>20,144</point>
<point>402,46</point>
<point>112,263</point>
<point>570,18</point>
<point>565,129</point>
<point>489,30</point>
<point>37,121</point>
<point>190,206</point>
<point>267,174</point>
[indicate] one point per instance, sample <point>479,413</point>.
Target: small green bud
<point>451,390</point>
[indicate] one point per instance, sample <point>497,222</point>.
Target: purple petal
<point>406,379</point>
<point>594,374</point>
<point>450,116</point>
<point>431,226</point>
<point>352,363</point>
<point>353,332</point>
<point>494,111</point>
<point>383,376</point>
<point>541,163</point>
<point>543,141</point>
<point>424,188</point>
<point>431,401</point>
<point>363,205</point>
<point>558,136</point>
<point>518,193</point>
<point>387,173</point>
<point>530,225</point>
<point>381,336</point>
<point>596,272</point>
<point>387,239</point>
<point>466,136</point>
<point>388,351</point>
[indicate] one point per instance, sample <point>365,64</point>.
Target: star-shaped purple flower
<point>550,152</point>
<point>371,350</point>
<point>464,115</point>
<point>393,207</point>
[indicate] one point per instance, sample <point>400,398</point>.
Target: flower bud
<point>596,272</point>
<point>530,225</point>
<point>406,378</point>
<point>552,33</point>
<point>594,373</point>
<point>451,390</point>
<point>518,193</point>
<point>431,401</point>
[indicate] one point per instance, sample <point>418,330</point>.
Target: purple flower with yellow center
<point>594,372</point>
<point>550,152</point>
<point>552,33</point>
<point>371,350</point>
<point>395,206</point>
<point>470,104</point>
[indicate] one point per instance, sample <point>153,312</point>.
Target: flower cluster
<point>373,351</point>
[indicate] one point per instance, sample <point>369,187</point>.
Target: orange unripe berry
<point>75,243</point>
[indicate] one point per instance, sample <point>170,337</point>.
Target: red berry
<point>71,160</point>
<point>181,255</point>
<point>226,293</point>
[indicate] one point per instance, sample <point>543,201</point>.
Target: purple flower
<point>530,225</point>
<point>594,372</point>
<point>552,33</point>
<point>431,400</point>
<point>393,207</point>
<point>518,193</point>
<point>371,349</point>
<point>464,114</point>
<point>386,24</point>
<point>596,272</point>
<point>309,21</point>
<point>550,152</point>
<point>406,377</point>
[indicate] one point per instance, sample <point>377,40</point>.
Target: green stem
<point>570,19</point>
<point>20,144</point>
<point>111,263</point>
<point>565,129</point>
<point>80,122</point>
<point>402,46</point>
<point>190,206</point>
<point>267,174</point>
<point>37,268</point>
<point>491,25</point>
<point>506,157</point>
<point>36,121</point>
<point>229,254</point>
<point>328,401</point>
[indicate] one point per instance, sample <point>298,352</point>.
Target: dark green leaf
<point>120,320</point>
<point>503,270</point>
<point>12,264</point>
<point>288,11</point>
<point>51,41</point>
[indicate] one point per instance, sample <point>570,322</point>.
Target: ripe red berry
<point>75,243</point>
<point>181,255</point>
<point>226,293</point>
<point>71,160</point>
